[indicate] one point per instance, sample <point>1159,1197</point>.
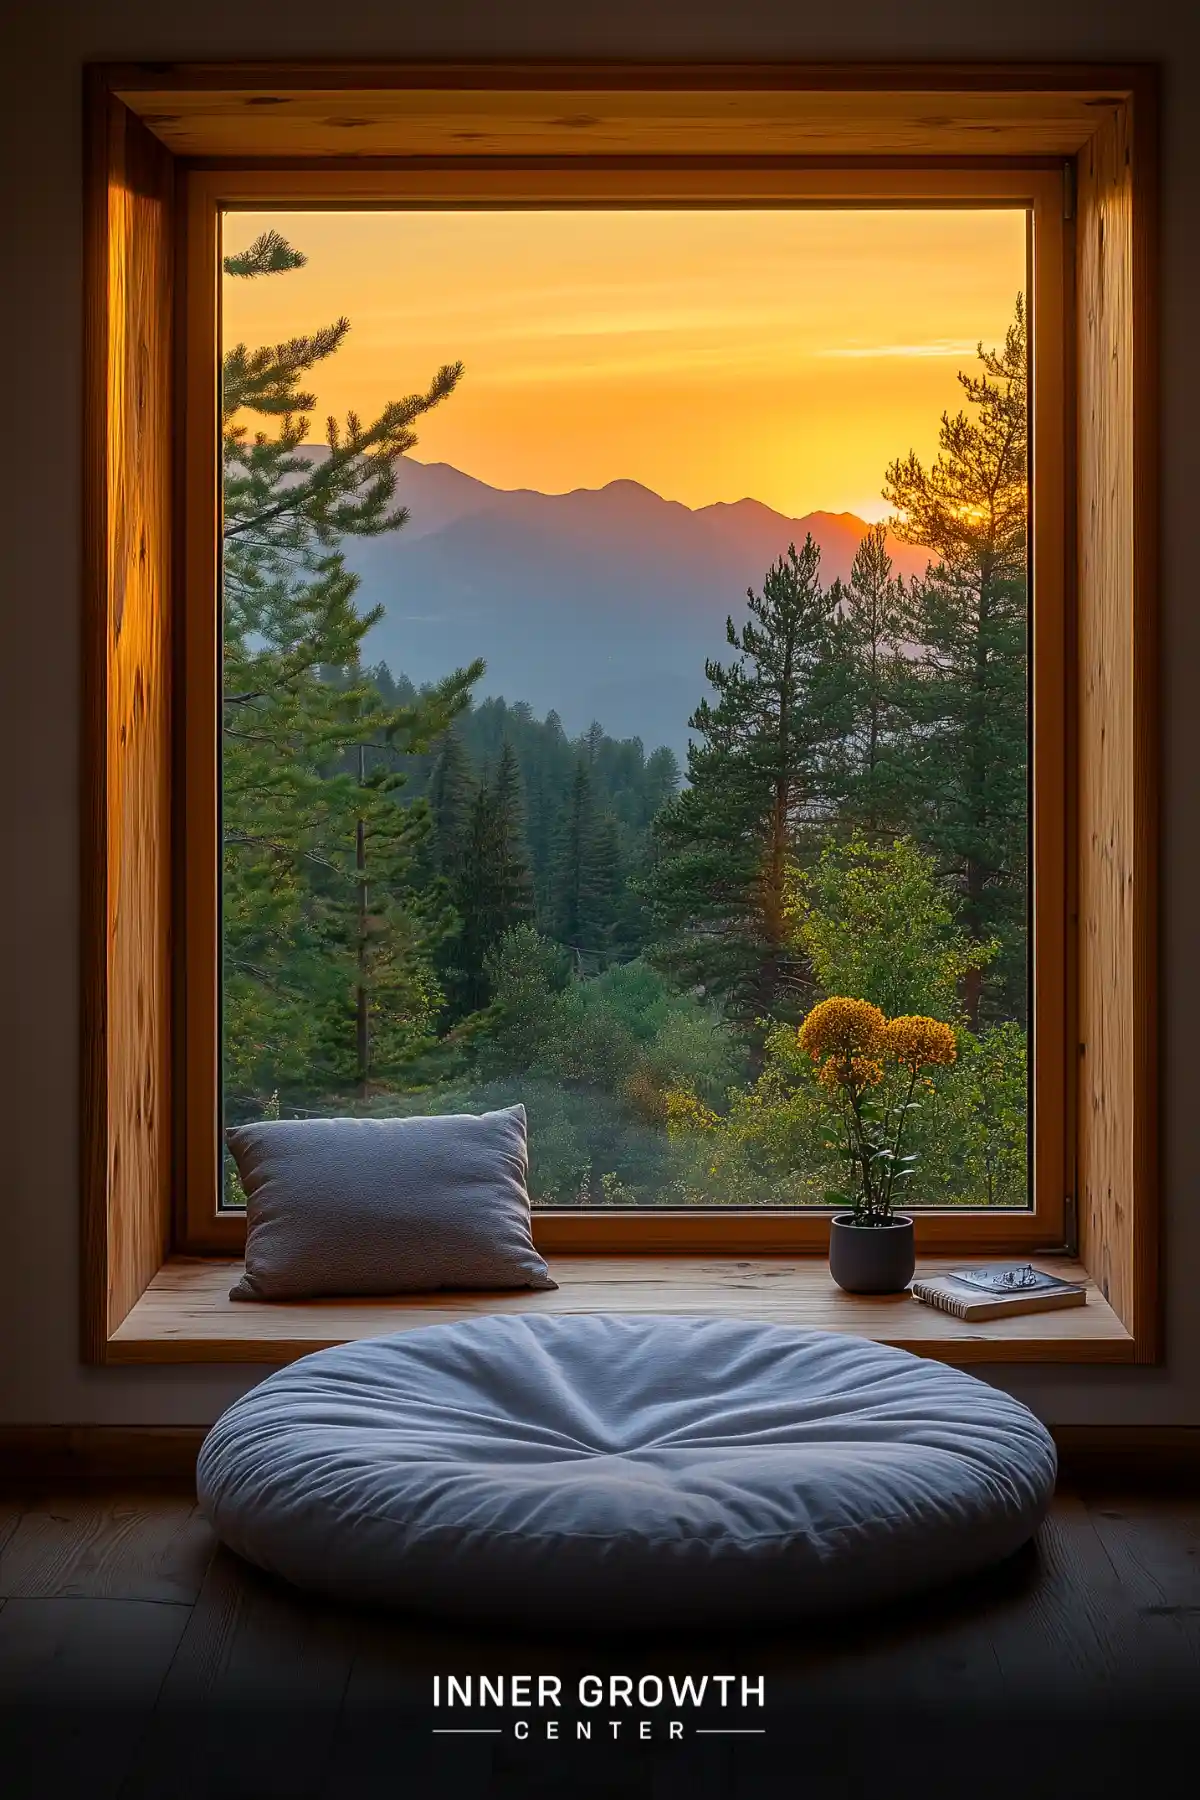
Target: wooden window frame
<point>206,194</point>
<point>169,149</point>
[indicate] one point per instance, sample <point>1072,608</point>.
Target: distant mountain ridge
<point>601,603</point>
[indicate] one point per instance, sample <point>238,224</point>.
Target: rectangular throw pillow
<point>385,1206</point>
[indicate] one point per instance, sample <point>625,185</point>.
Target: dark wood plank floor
<point>140,1661</point>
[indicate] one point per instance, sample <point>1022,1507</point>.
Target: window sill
<point>186,1316</point>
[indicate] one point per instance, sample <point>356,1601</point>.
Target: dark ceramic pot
<point>871,1259</point>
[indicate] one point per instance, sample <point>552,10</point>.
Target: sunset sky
<point>785,355</point>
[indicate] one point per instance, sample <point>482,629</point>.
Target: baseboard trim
<point>32,1454</point>
<point>41,1453</point>
<point>1138,1454</point>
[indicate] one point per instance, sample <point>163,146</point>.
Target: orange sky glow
<point>785,355</point>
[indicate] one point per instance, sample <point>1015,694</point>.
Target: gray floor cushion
<point>619,1469</point>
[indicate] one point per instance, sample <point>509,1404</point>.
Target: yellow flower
<point>915,1041</point>
<point>842,1027</point>
<point>686,1113</point>
<point>855,1072</point>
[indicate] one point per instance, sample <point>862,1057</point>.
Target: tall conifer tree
<point>609,875</point>
<point>452,790</point>
<point>966,754</point>
<point>758,774</point>
<point>586,865</point>
<point>495,891</point>
<point>303,930</point>
<point>871,615</point>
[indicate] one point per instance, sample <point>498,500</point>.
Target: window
<point>445,893</point>
<point>678,1165</point>
<point>526,880</point>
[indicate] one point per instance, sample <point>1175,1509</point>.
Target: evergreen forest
<point>436,901</point>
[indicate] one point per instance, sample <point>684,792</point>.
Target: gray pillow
<point>385,1206</point>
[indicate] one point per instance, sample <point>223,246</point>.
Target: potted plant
<point>870,1067</point>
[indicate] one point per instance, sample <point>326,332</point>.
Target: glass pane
<point>636,661</point>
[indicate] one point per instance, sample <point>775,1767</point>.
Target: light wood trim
<point>1099,97</point>
<point>595,182</point>
<point>186,1315</point>
<point>204,1230</point>
<point>567,110</point>
<point>198,897</point>
<point>1146,1320</point>
<point>662,1231</point>
<point>127,709</point>
<point>1051,1029</point>
<point>1118,715</point>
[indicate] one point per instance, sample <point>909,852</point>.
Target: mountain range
<point>603,603</point>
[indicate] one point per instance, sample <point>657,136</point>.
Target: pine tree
<point>592,742</point>
<point>452,793</point>
<point>572,863</point>
<point>660,783</point>
<point>495,891</point>
<point>452,789</point>
<point>525,972</point>
<point>544,756</point>
<point>758,773</point>
<point>628,788</point>
<point>511,885</point>
<point>609,879</point>
<point>586,867</point>
<point>965,762</point>
<point>871,615</point>
<point>319,859</point>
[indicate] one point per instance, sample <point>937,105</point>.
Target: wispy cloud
<point>934,347</point>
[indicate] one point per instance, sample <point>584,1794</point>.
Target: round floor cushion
<point>605,1468</point>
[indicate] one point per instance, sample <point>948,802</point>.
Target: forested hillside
<point>435,901</point>
<point>623,593</point>
<point>587,807</point>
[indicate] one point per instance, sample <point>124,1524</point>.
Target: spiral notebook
<point>995,1291</point>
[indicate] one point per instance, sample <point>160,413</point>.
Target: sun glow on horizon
<point>784,356</point>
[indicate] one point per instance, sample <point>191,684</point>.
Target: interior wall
<point>42,50</point>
